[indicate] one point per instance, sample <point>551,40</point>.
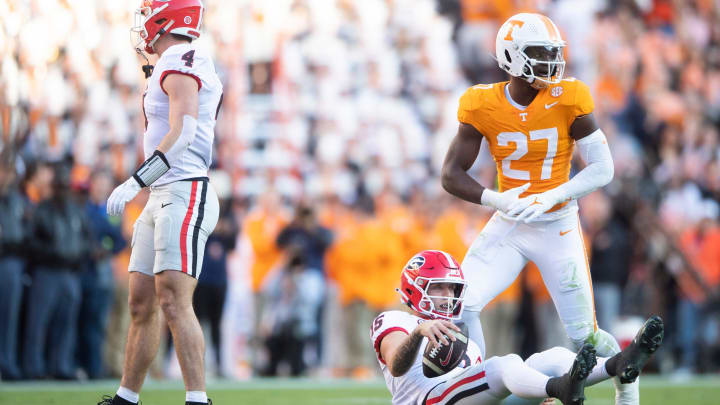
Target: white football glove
<point>121,195</point>
<point>502,201</point>
<point>529,208</point>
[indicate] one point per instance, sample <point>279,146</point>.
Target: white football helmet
<point>529,45</point>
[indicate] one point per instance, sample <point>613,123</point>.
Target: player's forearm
<point>588,180</point>
<point>170,139</point>
<point>599,171</point>
<point>458,183</point>
<point>178,139</point>
<point>405,354</point>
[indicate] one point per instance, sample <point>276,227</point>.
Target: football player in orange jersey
<point>532,124</point>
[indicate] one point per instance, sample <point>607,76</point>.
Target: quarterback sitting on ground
<point>433,288</point>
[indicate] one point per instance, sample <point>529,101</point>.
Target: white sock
<point>627,394</point>
<point>598,373</point>
<point>128,395</point>
<point>196,396</point>
<point>607,346</point>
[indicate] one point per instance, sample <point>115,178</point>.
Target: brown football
<point>443,358</point>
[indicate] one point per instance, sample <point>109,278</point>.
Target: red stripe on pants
<point>456,385</point>
<point>186,223</point>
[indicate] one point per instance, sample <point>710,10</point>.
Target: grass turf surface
<point>654,390</point>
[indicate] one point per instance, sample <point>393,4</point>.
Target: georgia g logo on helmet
<point>529,45</point>
<point>415,263</point>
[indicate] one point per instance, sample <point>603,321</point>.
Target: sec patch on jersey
<point>441,359</point>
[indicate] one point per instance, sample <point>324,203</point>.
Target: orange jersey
<point>531,145</point>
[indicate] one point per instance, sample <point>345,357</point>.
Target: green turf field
<point>656,391</point>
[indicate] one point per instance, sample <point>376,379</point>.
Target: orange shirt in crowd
<point>366,262</point>
<point>449,229</point>
<point>414,233</point>
<point>703,252</point>
<point>262,229</point>
<point>494,10</point>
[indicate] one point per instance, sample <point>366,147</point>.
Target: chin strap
<point>147,68</point>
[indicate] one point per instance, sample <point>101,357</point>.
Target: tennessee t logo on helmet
<point>530,46</point>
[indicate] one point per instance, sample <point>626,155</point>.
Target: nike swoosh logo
<point>164,205</point>
<point>549,106</point>
<point>565,233</point>
<point>449,355</point>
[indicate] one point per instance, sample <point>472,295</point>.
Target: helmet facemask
<point>440,306</point>
<point>138,32</point>
<point>544,64</point>
<point>140,36</point>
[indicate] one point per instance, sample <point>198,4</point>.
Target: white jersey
<point>195,62</point>
<point>411,388</point>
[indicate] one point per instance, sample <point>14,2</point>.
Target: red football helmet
<point>424,269</point>
<point>156,18</point>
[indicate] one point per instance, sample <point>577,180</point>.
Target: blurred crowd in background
<point>337,116</point>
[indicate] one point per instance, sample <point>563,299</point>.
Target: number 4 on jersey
<point>188,58</point>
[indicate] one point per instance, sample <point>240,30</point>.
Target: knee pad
<point>512,360</point>
<point>553,362</point>
<point>513,357</point>
<point>556,352</point>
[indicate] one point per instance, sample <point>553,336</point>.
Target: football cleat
<point>634,357</point>
<point>108,400</point>
<point>209,402</point>
<point>571,387</point>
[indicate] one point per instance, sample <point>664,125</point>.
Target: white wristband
<point>490,198</point>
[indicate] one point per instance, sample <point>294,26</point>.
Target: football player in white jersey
<point>433,287</point>
<point>181,102</point>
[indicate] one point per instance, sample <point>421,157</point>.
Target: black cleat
<point>634,357</point>
<point>116,400</point>
<point>209,402</point>
<point>570,388</point>
<point>106,400</point>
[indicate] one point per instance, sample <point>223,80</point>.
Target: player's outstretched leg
<point>628,363</point>
<point>570,388</point>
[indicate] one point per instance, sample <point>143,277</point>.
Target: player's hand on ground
<point>503,201</point>
<point>121,195</point>
<point>529,208</point>
<point>437,331</point>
